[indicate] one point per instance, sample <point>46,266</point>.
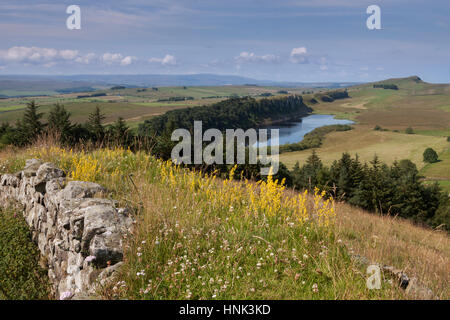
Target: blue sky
<point>284,40</point>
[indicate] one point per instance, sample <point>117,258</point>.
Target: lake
<point>294,131</point>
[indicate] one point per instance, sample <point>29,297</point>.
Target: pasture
<point>366,143</point>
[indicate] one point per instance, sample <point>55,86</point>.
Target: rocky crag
<point>79,234</point>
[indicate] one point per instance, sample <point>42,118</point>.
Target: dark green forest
<point>232,113</point>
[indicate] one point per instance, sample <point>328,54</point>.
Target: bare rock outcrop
<point>78,233</point>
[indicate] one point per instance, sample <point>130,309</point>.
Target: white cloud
<point>168,60</point>
<point>299,55</point>
<point>252,57</point>
<point>112,57</point>
<point>86,59</point>
<point>68,54</point>
<point>35,55</point>
<point>127,60</point>
<point>49,57</point>
<point>29,54</point>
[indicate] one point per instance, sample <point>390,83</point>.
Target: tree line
<point>395,190</point>
<point>330,96</point>
<point>386,86</point>
<point>32,125</point>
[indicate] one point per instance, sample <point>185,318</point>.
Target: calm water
<point>294,131</point>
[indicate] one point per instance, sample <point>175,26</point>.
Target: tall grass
<point>199,237</point>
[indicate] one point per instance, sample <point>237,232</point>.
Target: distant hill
<point>412,85</point>
<point>20,85</point>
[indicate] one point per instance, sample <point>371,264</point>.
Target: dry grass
<point>419,252</point>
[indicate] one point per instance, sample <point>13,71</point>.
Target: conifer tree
<point>31,125</point>
<point>95,126</point>
<point>119,132</point>
<point>58,122</point>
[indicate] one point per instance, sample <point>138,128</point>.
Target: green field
<point>439,171</point>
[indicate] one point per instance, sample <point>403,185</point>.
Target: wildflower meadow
<point>201,236</point>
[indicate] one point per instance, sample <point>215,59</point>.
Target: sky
<point>283,40</point>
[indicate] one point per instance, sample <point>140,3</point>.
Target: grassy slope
<point>365,142</point>
<point>421,253</point>
<point>423,106</point>
<point>196,238</point>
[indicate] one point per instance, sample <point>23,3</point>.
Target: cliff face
<point>78,234</point>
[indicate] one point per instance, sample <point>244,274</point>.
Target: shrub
<point>21,277</point>
<point>409,130</point>
<point>430,156</point>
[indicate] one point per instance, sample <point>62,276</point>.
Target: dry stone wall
<point>78,233</point>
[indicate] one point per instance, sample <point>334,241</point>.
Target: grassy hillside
<point>423,106</point>
<point>367,143</point>
<point>202,237</point>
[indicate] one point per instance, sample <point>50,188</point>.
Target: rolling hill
<point>422,106</point>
